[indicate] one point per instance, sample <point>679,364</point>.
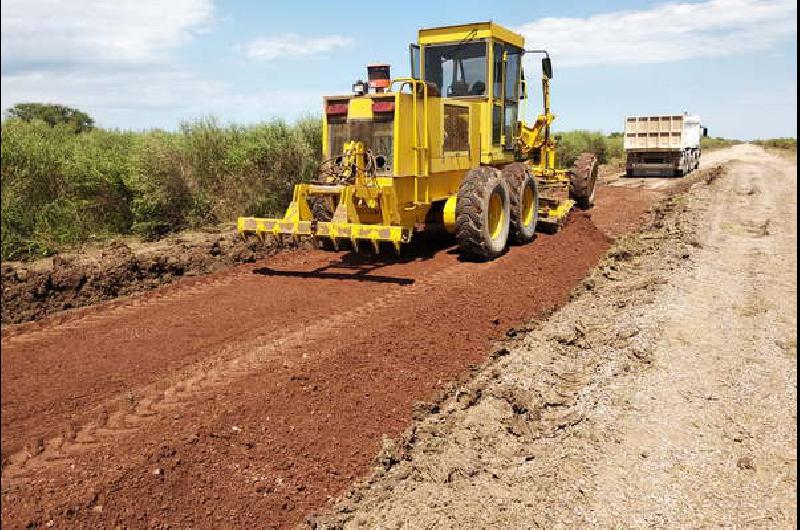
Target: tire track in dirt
<point>243,359</point>
<point>131,334</point>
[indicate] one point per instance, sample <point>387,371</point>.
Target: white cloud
<point>149,89</point>
<point>291,45</point>
<point>106,57</point>
<point>118,61</point>
<point>666,32</point>
<point>44,33</point>
<point>156,97</point>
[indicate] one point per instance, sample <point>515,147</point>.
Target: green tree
<point>52,114</point>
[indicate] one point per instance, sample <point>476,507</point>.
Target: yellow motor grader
<point>442,148</point>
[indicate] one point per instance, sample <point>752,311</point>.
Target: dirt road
<point>251,396</point>
<point>256,395</point>
<point>711,433</point>
<point>665,395</point>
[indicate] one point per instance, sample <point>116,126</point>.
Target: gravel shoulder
<point>663,395</point>
<point>710,434</point>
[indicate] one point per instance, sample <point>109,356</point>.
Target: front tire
<point>482,214</point>
<point>583,179</point>
<point>523,203</point>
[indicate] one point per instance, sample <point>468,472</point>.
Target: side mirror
<point>413,55</point>
<point>547,68</point>
<point>705,131</point>
<point>523,90</point>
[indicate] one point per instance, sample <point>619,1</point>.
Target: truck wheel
<point>582,179</point>
<point>482,214</point>
<point>523,201</point>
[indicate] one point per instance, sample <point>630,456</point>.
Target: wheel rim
<point>528,209</point>
<point>496,215</point>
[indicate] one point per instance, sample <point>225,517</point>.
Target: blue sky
<point>151,63</point>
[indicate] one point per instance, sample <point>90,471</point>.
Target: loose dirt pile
<point>30,293</point>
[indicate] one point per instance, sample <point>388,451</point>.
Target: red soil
<point>250,396</point>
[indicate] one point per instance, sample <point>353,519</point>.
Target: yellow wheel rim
<point>496,215</point>
<point>527,206</point>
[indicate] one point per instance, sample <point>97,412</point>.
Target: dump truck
<point>662,146</point>
<point>444,148</point>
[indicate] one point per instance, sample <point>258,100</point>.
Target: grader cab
<point>443,148</point>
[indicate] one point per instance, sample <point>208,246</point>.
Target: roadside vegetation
<point>607,147</point>
<point>778,143</point>
<point>66,181</point>
<point>708,143</point>
<point>65,184</point>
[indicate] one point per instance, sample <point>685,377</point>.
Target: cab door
<point>506,65</point>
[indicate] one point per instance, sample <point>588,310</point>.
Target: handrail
<point>418,150</point>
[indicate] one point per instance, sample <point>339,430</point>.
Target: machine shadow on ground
<point>365,265</point>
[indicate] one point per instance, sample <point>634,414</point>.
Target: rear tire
<point>482,214</point>
<point>583,178</point>
<point>523,203</point>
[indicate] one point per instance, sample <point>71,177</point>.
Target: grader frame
<point>398,152</point>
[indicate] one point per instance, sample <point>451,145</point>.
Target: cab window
<point>512,73</point>
<point>458,70</point>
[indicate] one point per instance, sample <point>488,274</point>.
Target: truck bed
<point>661,133</point>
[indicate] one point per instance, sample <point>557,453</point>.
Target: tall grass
<point>61,188</point>
<point>608,148</point>
<point>717,142</point>
<point>778,143</point>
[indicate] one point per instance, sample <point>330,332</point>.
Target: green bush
<point>778,143</point>
<point>44,205</point>
<point>158,184</point>
<point>52,114</point>
<point>718,142</point>
<point>62,188</point>
<point>573,143</point>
